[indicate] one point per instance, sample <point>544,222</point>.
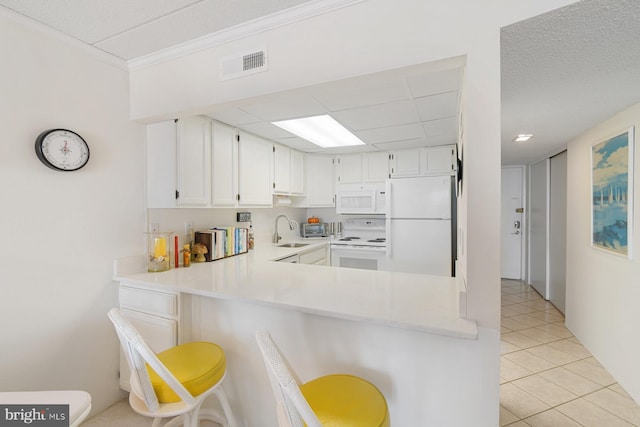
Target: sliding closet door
<point>539,227</point>
<point>558,230</point>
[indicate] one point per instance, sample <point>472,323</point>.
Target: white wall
<point>603,290</point>
<point>61,231</point>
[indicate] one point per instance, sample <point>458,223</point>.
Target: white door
<point>511,227</point>
<point>558,230</point>
<point>539,227</point>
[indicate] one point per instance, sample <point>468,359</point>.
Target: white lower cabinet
<point>318,256</point>
<point>156,315</point>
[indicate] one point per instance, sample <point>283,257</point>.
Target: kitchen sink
<point>292,245</point>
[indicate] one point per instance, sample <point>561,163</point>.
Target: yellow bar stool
<point>330,401</point>
<point>175,382</point>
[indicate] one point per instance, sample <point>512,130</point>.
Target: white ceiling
<point>562,72</point>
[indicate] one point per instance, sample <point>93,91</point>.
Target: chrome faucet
<point>276,236</point>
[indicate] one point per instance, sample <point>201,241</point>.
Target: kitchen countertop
<point>412,301</point>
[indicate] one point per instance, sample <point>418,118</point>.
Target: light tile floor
<point>547,377</point>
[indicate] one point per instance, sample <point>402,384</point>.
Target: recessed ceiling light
<point>523,137</point>
<point>323,131</point>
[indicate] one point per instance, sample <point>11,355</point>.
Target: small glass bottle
<point>250,240</point>
<point>186,256</point>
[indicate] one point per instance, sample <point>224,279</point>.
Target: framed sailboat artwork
<point>612,194</point>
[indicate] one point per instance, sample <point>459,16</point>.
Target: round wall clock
<point>62,150</point>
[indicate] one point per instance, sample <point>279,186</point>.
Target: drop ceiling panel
<point>391,133</point>
<point>437,106</point>
<point>288,107</point>
<point>234,117</point>
<point>401,145</point>
<point>299,144</point>
<point>95,20</point>
<point>434,83</point>
<point>363,92</point>
<point>266,130</point>
<point>391,114</point>
<point>441,127</point>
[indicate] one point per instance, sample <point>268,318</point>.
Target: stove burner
<point>348,239</point>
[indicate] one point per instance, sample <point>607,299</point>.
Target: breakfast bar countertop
<point>418,302</point>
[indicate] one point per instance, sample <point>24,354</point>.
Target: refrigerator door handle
<point>388,194</point>
<point>387,236</point>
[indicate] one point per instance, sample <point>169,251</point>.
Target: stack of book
<point>223,242</point>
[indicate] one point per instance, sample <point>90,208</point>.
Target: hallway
<point>547,377</point>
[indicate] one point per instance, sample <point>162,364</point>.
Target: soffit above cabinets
<point>404,108</point>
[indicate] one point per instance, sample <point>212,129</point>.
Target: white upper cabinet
<point>161,164</point>
<point>255,156</point>
<point>438,160</point>
<point>375,166</point>
<point>405,163</point>
<point>281,169</point>
<point>349,169</point>
<point>297,172</point>
<point>320,181</point>
<point>225,166</point>
<point>288,170</point>
<point>194,161</point>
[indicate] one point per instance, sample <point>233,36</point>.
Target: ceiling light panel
<point>323,131</point>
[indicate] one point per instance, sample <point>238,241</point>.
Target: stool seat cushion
<point>197,365</point>
<point>346,401</point>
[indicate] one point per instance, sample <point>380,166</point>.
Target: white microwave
<point>360,199</point>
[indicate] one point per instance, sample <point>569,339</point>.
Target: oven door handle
<point>359,248</point>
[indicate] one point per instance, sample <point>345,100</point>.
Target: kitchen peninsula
<point>401,331</point>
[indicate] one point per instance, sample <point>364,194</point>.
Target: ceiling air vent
<point>243,64</point>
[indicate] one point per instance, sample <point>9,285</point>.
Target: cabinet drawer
<point>313,257</point>
<point>147,301</point>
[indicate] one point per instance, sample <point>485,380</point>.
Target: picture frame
<point>612,171</point>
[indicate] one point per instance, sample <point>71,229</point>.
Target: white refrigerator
<point>418,225</point>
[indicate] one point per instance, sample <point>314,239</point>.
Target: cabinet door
<point>254,170</point>
<point>224,165</point>
<point>375,166</point>
<point>350,169</point>
<point>281,169</point>
<point>194,161</point>
<point>405,163</point>
<point>161,164</point>
<point>159,333</point>
<point>320,181</point>
<point>439,159</point>
<point>297,172</point>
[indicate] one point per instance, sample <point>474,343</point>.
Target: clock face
<point>62,150</point>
